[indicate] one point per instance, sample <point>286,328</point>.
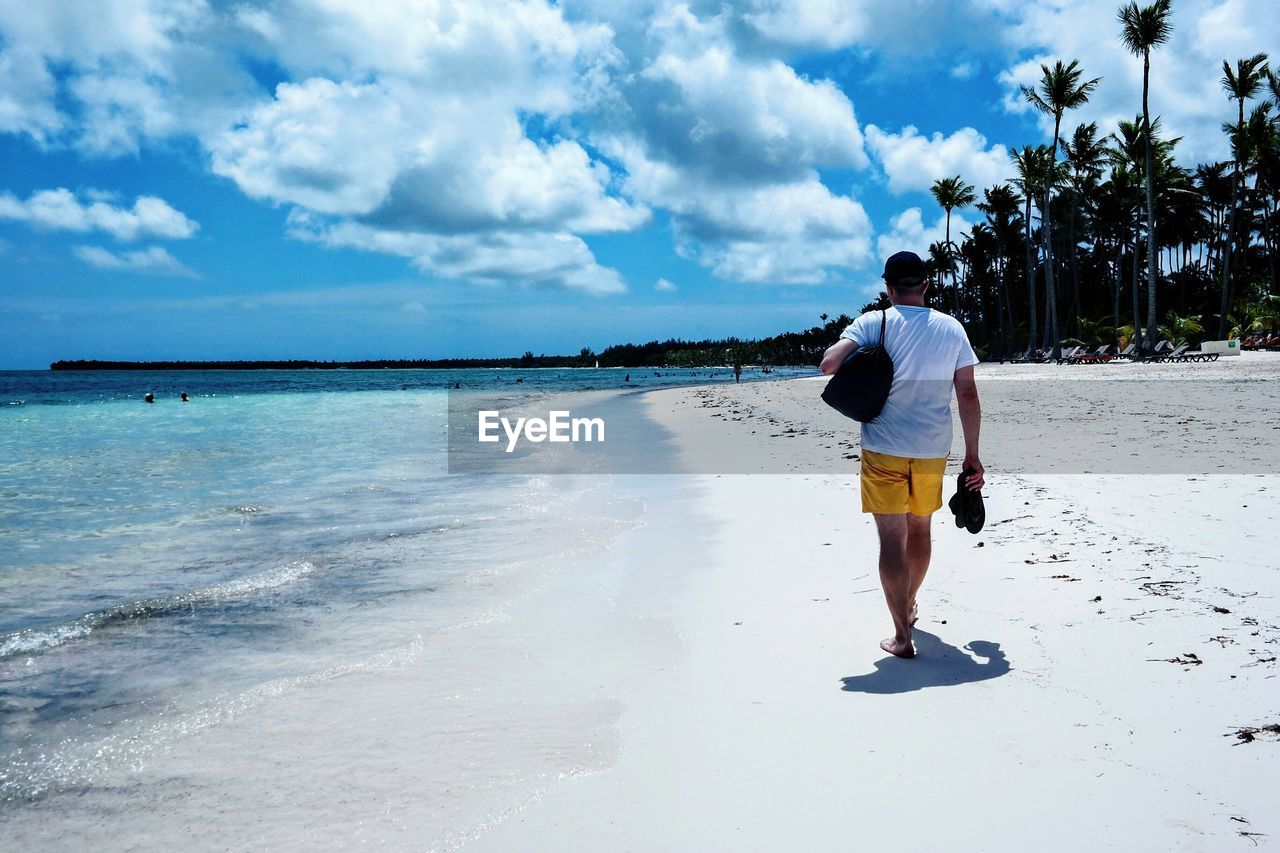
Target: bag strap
<point>884,314</point>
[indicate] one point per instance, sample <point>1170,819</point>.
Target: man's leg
<point>919,550</point>
<point>895,578</point>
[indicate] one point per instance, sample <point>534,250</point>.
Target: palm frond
<point>1144,27</point>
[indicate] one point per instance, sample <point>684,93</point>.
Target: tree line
<point>788,348</point>
<point>1102,237</point>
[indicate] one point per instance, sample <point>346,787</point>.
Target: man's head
<point>906,278</point>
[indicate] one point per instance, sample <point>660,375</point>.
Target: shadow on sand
<point>936,664</point>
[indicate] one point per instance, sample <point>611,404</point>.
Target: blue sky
<point>430,178</point>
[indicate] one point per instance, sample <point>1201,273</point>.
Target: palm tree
<point>1254,317</point>
<point>1213,185</point>
<point>1086,155</point>
<point>1032,166</point>
<point>1240,83</point>
<point>1096,332</point>
<point>951,193</point>
<point>1000,204</point>
<point>1176,330</point>
<point>1131,216</point>
<point>1113,223</point>
<point>1266,143</point>
<point>938,264</point>
<point>1061,89</point>
<point>1141,30</point>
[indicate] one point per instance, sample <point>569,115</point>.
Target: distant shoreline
<point>380,364</point>
<point>539,363</point>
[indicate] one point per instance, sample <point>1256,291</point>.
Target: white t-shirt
<point>927,348</point>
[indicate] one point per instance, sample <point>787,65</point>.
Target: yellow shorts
<point>897,484</point>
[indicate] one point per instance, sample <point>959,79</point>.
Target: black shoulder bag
<point>860,387</point>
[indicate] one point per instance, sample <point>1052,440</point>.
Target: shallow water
<point>177,575</point>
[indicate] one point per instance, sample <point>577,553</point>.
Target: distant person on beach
<point>904,450</point>
<point>150,398</point>
<point>737,371</point>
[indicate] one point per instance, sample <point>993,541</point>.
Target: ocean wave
<point>38,639</point>
<point>75,762</point>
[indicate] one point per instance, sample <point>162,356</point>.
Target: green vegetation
<point>1116,230</point>
<point>788,348</point>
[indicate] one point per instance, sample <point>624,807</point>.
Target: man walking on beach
<point>904,450</point>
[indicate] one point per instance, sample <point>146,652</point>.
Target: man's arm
<point>971,421</point>
<point>836,354</point>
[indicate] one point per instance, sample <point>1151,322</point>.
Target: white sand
<point>1043,711</point>
<point>712,681</point>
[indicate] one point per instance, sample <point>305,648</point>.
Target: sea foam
<point>38,639</point>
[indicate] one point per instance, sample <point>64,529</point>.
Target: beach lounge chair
<point>1151,355</point>
<point>1194,355</point>
<point>1133,352</point>
<point>1095,357</point>
<point>1067,355</point>
<point>1174,355</point>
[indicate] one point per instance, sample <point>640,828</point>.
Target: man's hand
<point>974,481</point>
<point>971,420</point>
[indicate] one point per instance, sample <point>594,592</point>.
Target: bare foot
<point>915,616</point>
<point>900,648</point>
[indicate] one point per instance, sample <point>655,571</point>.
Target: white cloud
<point>662,285</point>
<point>1185,92</point>
<point>559,260</point>
<point>26,96</point>
<point>483,138</point>
<point>60,210</point>
<point>744,119</point>
<point>119,110</point>
<point>120,69</point>
<point>909,233</point>
<point>66,31</point>
<point>912,29</point>
<point>426,157</point>
<point>789,232</point>
<point>523,52</point>
<point>730,146</point>
<point>419,145</point>
<point>914,162</point>
<point>823,23</point>
<point>414,162</point>
<point>153,260</point>
<point>331,147</point>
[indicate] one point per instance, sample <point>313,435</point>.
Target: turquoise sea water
<point>160,558</point>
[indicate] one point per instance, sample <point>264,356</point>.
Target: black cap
<point>904,268</point>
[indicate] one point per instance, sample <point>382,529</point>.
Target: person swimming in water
<point>150,398</point>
